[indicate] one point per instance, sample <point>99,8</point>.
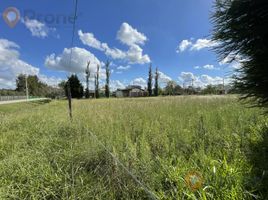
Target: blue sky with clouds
<point>173,35</point>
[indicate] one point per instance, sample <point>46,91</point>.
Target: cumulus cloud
<point>208,67</point>
<point>123,67</point>
<point>233,61</point>
<point>163,78</point>
<point>135,55</point>
<point>52,80</point>
<point>184,45</point>
<point>203,43</point>
<point>188,78</point>
<point>77,64</point>
<point>37,28</point>
<point>11,66</point>
<point>90,40</point>
<point>196,45</point>
<point>128,36</point>
<point>116,84</point>
<point>139,81</point>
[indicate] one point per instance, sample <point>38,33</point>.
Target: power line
<point>73,32</point>
<point>150,193</point>
<point>70,60</point>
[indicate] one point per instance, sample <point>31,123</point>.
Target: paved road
<point>22,100</point>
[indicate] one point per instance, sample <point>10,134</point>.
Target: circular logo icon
<point>194,180</point>
<point>11,16</point>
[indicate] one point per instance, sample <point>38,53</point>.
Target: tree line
<point>38,88</point>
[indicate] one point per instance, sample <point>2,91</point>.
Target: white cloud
<point>116,84</point>
<point>203,43</point>
<point>52,81</point>
<point>135,55</point>
<point>184,45</point>
<point>188,78</point>
<point>11,66</point>
<point>123,67</point>
<point>163,78</point>
<point>78,63</point>
<point>196,45</point>
<point>127,35</point>
<point>139,81</point>
<point>130,36</point>
<point>233,61</point>
<point>90,40</point>
<point>207,67</point>
<point>37,28</point>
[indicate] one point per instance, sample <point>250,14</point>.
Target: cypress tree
<point>150,79</point>
<point>156,86</point>
<point>108,73</point>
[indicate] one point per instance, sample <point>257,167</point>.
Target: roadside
<point>22,100</point>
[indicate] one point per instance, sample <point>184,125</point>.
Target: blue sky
<point>173,35</point>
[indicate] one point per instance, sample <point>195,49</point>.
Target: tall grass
<point>160,140</point>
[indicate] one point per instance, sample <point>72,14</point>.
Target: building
<point>131,91</point>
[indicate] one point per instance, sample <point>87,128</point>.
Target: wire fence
<point>11,98</point>
<point>148,190</point>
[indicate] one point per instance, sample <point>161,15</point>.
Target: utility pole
<point>26,85</point>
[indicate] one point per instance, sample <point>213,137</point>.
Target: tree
<point>87,80</point>
<point>108,73</point>
<point>21,83</point>
<point>76,87</point>
<point>210,89</point>
<point>62,85</point>
<point>97,94</point>
<point>239,29</point>
<point>150,80</point>
<point>156,86</point>
<point>35,86</point>
<point>170,88</point>
<point>178,90</point>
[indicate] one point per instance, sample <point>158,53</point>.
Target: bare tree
<point>87,80</point>
<point>97,94</point>
<point>156,86</point>
<point>108,73</point>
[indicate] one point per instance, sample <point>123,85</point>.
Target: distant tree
<point>97,93</point>
<point>62,85</point>
<point>239,28</point>
<point>178,90</point>
<point>87,80</point>
<point>21,83</point>
<point>35,86</point>
<point>170,88</point>
<point>76,87</point>
<point>156,86</point>
<point>150,80</point>
<point>108,73</point>
<point>210,89</point>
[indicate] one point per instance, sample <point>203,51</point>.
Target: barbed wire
<point>151,194</point>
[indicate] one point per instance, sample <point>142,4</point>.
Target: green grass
<point>160,140</point>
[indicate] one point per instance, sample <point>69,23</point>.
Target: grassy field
<point>159,140</point>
